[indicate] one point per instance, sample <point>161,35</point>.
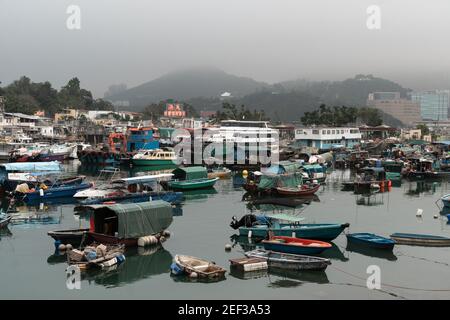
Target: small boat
<point>203,268</point>
<point>4,221</point>
<point>295,245</point>
<point>155,157</point>
<point>221,173</point>
<point>249,227</point>
<point>421,240</point>
<point>190,178</point>
<point>303,190</point>
<point>289,261</point>
<point>371,240</point>
<point>99,256</point>
<point>55,192</point>
<point>71,236</point>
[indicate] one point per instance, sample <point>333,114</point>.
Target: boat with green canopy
<point>190,178</point>
<point>126,223</point>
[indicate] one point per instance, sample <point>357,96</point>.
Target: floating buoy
<point>57,244</point>
<point>435,216</point>
<point>148,240</point>
<point>62,247</point>
<point>419,212</point>
<point>193,275</point>
<point>69,247</point>
<point>228,247</point>
<point>166,233</point>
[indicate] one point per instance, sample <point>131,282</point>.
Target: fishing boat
<point>134,189</point>
<point>295,245</point>
<point>249,227</point>
<point>70,236</point>
<point>203,268</point>
<point>420,240</point>
<point>156,157</point>
<point>190,178</point>
<point>290,261</point>
<point>221,173</point>
<point>41,193</point>
<point>306,189</point>
<point>127,223</point>
<point>371,240</point>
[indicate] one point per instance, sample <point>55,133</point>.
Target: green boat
<point>191,178</point>
<point>157,157</point>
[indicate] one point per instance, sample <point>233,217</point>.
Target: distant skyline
<point>134,41</point>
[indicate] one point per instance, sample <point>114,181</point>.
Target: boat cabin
<point>190,173</point>
<point>125,223</point>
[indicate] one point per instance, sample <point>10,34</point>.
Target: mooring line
<point>391,285</point>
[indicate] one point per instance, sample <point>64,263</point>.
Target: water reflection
<point>201,194</point>
<point>294,278</point>
<point>373,199</point>
<point>415,189</point>
<point>140,263</point>
<point>29,215</point>
<point>371,252</point>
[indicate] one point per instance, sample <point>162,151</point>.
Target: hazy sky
<point>133,41</point>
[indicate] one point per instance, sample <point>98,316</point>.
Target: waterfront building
<point>433,104</point>
<point>326,138</point>
<point>407,111</point>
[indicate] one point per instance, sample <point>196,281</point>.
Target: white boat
<point>155,157</point>
<point>249,136</point>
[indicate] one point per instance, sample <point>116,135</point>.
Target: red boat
<point>303,190</point>
<point>295,245</point>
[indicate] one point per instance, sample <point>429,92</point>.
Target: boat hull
<point>291,192</point>
<point>152,162</point>
<point>325,232</point>
<point>290,261</point>
<point>57,192</point>
<point>371,240</point>
<point>420,240</point>
<point>192,184</point>
<point>73,237</point>
<point>296,247</point>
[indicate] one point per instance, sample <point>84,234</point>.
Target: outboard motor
<point>247,220</point>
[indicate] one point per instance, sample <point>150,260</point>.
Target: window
<point>323,132</point>
<point>328,131</point>
<point>333,132</point>
<point>315,131</point>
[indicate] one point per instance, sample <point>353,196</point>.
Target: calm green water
<point>29,269</point>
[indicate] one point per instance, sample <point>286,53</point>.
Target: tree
<point>424,129</point>
<point>370,116</point>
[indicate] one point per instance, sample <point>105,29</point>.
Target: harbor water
<point>31,269</point>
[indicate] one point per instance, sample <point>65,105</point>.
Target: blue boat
<point>371,240</point>
<point>55,192</point>
<point>319,231</point>
<point>258,226</point>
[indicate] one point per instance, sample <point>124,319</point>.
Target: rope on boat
<point>390,285</point>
